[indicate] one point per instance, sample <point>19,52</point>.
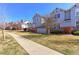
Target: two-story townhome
<point>71,21</point>
<point>58,16</point>
<point>67,20</point>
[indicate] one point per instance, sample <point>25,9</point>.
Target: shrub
<point>56,32</point>
<point>76,32</point>
<point>13,28</point>
<point>24,29</point>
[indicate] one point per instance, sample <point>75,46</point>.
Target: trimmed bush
<point>56,32</point>
<point>76,32</point>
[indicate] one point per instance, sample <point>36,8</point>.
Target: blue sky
<point>25,11</point>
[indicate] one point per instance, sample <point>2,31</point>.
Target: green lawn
<point>9,46</point>
<point>30,35</point>
<point>66,44</point>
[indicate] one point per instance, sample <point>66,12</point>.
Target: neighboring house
<point>38,22</point>
<point>14,25</point>
<point>26,25</point>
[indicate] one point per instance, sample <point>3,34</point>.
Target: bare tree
<point>49,24</point>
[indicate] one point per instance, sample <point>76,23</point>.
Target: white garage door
<point>41,30</point>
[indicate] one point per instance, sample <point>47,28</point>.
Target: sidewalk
<point>34,48</point>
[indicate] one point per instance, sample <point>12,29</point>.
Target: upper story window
<point>77,13</point>
<point>57,16</point>
<point>42,20</point>
<point>67,16</point>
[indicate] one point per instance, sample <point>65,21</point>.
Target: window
<point>67,20</point>
<point>67,16</point>
<point>77,23</point>
<point>42,20</point>
<point>77,13</point>
<point>57,16</point>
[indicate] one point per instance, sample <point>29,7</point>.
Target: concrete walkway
<point>34,48</point>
